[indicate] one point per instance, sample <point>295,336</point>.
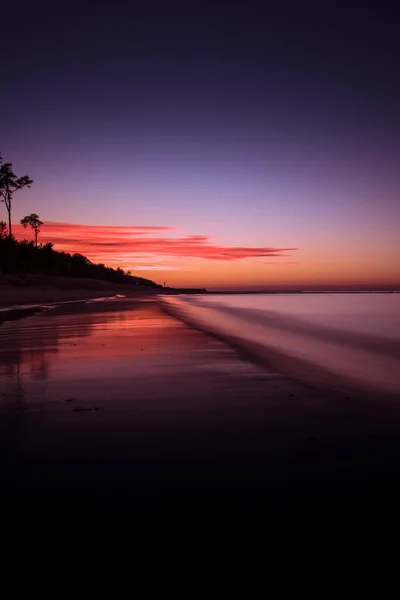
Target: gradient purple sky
<point>251,127</point>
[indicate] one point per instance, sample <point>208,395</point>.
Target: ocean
<point>347,341</point>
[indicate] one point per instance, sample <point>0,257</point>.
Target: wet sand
<point>117,405</point>
<point>13,295</point>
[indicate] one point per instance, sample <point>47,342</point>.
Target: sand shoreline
<point>15,291</point>
<point>118,403</point>
<point>11,298</point>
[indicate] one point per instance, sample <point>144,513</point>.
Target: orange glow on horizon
<point>164,254</point>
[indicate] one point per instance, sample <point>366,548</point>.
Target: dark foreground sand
<point>45,290</point>
<point>117,405</point>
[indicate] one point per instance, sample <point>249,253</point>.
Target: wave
<point>315,353</point>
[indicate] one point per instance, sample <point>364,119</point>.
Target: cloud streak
<point>146,244</point>
<point>283,262</point>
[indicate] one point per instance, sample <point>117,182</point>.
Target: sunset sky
<point>211,144</point>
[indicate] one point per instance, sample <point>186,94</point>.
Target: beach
<point>35,289</point>
<point>117,404</point>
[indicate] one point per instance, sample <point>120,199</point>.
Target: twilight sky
<point>217,144</point>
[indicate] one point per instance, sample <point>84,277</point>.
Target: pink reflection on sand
<point>92,352</point>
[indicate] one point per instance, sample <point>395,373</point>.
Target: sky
<point>226,145</point>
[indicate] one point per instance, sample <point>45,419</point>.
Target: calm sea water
<point>353,338</point>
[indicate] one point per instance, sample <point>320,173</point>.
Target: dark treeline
<point>28,257</point>
<point>24,257</point>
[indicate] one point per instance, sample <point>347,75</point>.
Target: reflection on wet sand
<point>94,352</point>
<point>119,402</point>
<point>28,347</point>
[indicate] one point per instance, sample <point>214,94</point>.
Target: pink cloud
<point>285,262</point>
<point>123,244</point>
<point>156,268</point>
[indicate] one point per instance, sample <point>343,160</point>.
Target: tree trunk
<point>9,221</point>
<point>7,200</point>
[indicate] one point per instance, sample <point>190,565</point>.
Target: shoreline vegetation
<point>34,273</point>
<point>37,273</point>
<point>21,259</point>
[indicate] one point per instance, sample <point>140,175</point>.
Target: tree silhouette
<point>34,223</point>
<point>10,183</point>
<point>3,230</point>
